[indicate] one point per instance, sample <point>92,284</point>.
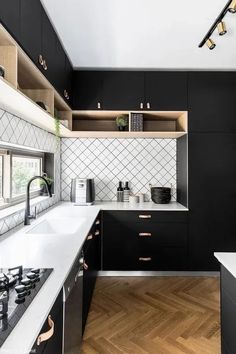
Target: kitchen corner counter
<point>149,206</point>
<point>228,260</point>
<point>57,251</point>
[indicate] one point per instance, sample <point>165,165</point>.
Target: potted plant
<point>122,122</point>
<point>43,187</point>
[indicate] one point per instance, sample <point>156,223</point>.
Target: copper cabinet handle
<point>97,222</point>
<point>147,216</point>
<point>141,105</point>
<point>90,237</point>
<point>41,59</point>
<point>99,105</point>
<point>45,65</point>
<point>148,105</point>
<point>145,234</point>
<point>145,259</point>
<point>85,266</point>
<point>46,335</point>
<point>97,232</point>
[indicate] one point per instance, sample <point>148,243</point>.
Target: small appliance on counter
<point>82,191</point>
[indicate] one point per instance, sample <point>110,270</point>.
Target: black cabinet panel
<point>129,244</point>
<point>87,89</point>
<point>212,101</point>
<point>68,79</point>
<point>166,90</point>
<point>49,49</point>
<point>53,344</point>
<point>31,28</point>
<point>228,311</point>
<point>10,16</point>
<point>212,194</point>
<point>122,90</point>
<point>60,68</point>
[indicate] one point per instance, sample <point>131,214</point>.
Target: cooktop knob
<point>25,281</point>
<point>31,275</point>
<point>35,270</point>
<point>20,288</point>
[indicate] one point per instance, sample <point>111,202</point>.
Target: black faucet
<point>28,216</point>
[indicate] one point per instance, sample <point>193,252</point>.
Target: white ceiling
<point>151,34</point>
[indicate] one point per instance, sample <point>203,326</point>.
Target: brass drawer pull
<point>85,266</point>
<point>45,65</point>
<point>145,259</point>
<point>90,237</point>
<point>147,216</point>
<point>145,234</point>
<point>47,335</point>
<point>97,222</point>
<point>97,232</point>
<point>41,59</point>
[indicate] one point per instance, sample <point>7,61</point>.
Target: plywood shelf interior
<point>156,124</point>
<point>8,59</point>
<point>62,111</point>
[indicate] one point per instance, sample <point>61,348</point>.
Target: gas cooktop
<point>18,287</point>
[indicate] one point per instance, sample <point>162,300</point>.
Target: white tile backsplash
<point>15,130</point>
<point>108,161</point>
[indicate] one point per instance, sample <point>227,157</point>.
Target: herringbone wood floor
<point>138,315</point>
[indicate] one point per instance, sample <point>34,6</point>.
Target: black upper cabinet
<point>165,91</point>
<point>122,90</point>
<point>10,17</point>
<point>87,90</point>
<point>68,80</point>
<point>49,48</point>
<point>31,29</point>
<point>212,194</point>
<point>59,67</point>
<point>130,90</point>
<point>212,101</point>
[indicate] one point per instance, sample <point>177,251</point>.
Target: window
<point>23,168</point>
<point>16,168</point>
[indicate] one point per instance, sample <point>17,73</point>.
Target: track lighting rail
<point>206,39</point>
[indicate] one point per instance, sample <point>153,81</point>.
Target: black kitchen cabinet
<point>10,16</point>
<point>60,68</point>
<point>31,29</point>
<point>68,81</point>
<point>122,90</point>
<point>144,241</point>
<point>212,102</point>
<point>49,49</point>
<point>92,264</point>
<point>54,343</point>
<point>87,90</point>
<point>212,193</point>
<point>228,311</point>
<point>165,91</point>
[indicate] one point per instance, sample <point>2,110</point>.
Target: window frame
<point>8,154</point>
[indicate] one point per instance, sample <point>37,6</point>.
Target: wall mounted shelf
<point>156,124</point>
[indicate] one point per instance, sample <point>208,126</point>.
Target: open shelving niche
<point>156,124</point>
<point>24,85</point>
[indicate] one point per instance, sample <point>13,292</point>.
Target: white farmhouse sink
<point>60,226</point>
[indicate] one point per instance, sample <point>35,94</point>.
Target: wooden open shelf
<point>23,75</point>
<point>101,124</point>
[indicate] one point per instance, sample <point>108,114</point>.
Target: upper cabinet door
<point>87,90</point>
<point>212,102</point>
<point>123,90</point>
<point>49,49</point>
<point>165,91</point>
<point>31,29</point>
<point>59,67</point>
<point>68,83</point>
<point>10,17</point>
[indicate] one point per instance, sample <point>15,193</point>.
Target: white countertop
<point>150,206</point>
<point>52,251</point>
<point>228,260</point>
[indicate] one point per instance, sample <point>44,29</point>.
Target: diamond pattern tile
<point>139,161</point>
<point>17,131</point>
